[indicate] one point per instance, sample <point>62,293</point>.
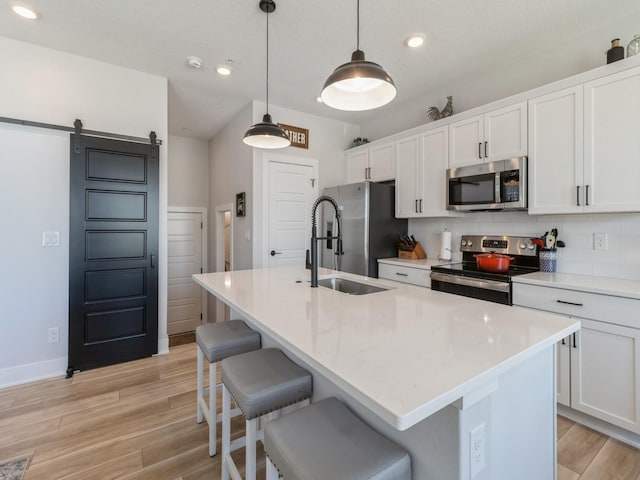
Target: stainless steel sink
<point>349,286</point>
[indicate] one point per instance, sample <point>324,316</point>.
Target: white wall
<point>620,260</point>
<point>521,71</point>
<point>45,85</point>
<point>188,164</point>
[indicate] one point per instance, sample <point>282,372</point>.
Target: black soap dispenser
<point>616,52</point>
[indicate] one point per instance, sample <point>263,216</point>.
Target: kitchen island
<point>467,386</point>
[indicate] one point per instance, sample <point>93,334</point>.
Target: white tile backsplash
<point>620,260</point>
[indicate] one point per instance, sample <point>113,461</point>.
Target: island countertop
<point>404,353</point>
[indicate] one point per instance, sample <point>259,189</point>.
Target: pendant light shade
<point>266,134</point>
<point>358,85</point>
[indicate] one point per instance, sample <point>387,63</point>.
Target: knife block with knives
<point>409,248</point>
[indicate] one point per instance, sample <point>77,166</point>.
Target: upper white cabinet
<point>421,164</point>
<point>556,152</point>
<point>584,147</point>
<point>612,143</point>
<point>375,163</point>
<point>494,135</point>
<point>408,181</point>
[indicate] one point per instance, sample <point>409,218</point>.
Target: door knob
<point>274,253</point>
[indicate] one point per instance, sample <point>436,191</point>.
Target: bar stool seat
<point>260,382</point>
<point>217,341</point>
<point>326,440</point>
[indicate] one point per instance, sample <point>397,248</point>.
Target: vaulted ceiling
<point>308,39</point>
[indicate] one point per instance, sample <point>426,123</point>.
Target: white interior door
<point>184,312</point>
<point>292,190</point>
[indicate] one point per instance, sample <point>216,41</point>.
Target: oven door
<point>476,187</point>
<point>483,289</point>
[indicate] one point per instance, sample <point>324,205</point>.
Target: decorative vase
<point>634,46</point>
<point>616,52</point>
<point>548,259</point>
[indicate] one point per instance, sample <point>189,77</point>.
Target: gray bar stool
<point>326,440</point>
<point>217,341</point>
<point>260,382</point>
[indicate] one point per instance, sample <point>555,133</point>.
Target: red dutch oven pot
<point>493,262</point>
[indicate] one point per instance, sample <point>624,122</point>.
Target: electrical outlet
<point>476,450</point>
<point>53,335</point>
<point>600,241</point>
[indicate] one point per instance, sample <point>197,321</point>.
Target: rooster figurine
<point>435,114</point>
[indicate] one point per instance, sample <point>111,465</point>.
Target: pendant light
<point>358,85</point>
<point>266,134</point>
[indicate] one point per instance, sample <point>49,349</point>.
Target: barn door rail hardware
<point>77,129</point>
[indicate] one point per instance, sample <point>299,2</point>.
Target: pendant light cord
<point>268,61</point>
<point>358,27</point>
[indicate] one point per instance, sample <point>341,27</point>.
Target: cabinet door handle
<point>485,149</point>
<point>563,342</point>
<point>575,343</point>
<point>416,207</point>
<point>402,274</point>
<point>586,195</point>
<point>578,195</point>
<point>420,205</point>
<point>480,150</point>
<point>153,261</point>
<point>570,303</point>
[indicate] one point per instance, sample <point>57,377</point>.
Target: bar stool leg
<point>213,408</point>
<point>272,471</point>
<point>200,383</point>
<point>250,449</point>
<point>226,431</point>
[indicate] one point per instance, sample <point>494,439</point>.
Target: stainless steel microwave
<point>500,185</point>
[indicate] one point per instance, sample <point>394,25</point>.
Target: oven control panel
<point>504,244</point>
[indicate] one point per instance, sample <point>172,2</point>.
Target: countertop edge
<point>614,287</point>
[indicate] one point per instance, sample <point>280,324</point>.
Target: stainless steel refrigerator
<point>369,227</point>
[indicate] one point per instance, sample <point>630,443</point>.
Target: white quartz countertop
<point>423,263</point>
<point>404,353</point>
<point>583,283</point>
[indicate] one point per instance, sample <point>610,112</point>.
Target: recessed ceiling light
<point>223,70</point>
<point>25,11</point>
<point>414,40</point>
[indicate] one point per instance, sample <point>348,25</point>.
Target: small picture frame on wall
<point>241,208</point>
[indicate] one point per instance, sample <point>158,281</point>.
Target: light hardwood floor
<point>137,421</point>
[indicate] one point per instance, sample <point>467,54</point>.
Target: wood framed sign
<point>299,136</point>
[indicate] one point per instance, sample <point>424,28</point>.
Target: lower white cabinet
<point>400,273</point>
<point>598,366</point>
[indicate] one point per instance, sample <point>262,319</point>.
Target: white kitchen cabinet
<point>408,181</point>
<point>556,152</point>
<point>612,143</point>
<point>375,163</point>
<point>601,362</point>
<point>495,135</point>
<point>405,274</point>
<point>584,147</point>
<point>421,165</point>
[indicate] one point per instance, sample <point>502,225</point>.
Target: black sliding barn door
<point>113,251</point>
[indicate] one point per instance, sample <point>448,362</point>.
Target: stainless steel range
<point>466,279</point>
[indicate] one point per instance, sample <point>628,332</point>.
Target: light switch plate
<point>50,239</point>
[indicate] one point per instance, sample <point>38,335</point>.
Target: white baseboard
<point>163,346</point>
<point>601,426</point>
<point>31,372</point>
<point>57,367</point>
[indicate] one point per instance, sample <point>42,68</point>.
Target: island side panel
<point>523,437</point>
